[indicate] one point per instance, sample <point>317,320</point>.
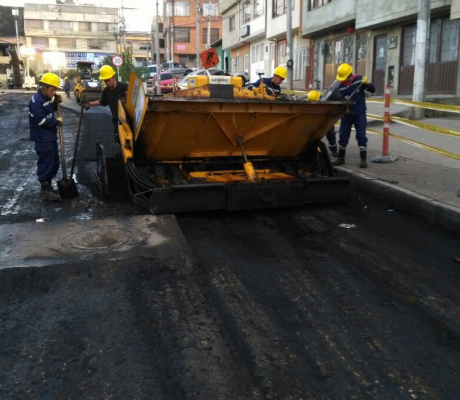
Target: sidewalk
<point>420,181</point>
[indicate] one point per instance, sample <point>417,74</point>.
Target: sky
<point>137,20</point>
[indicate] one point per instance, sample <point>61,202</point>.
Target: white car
<point>210,71</point>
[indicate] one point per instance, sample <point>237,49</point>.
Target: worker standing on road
<point>272,84</point>
<point>350,82</point>
<point>67,86</point>
<point>43,131</point>
<point>314,95</point>
<point>110,95</point>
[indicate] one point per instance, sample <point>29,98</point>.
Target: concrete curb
<point>431,211</point>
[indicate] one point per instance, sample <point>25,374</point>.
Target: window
<point>169,8</point>
<point>67,43</point>
<point>318,3</point>
<point>409,33</point>
<point>338,52</point>
<point>97,44</point>
<point>34,23</point>
<point>238,63</point>
<point>39,42</point>
<point>181,9</point>
<point>279,7</point>
<point>145,46</point>
<point>362,46</point>
<point>328,53</point>
<point>102,26</point>
<point>210,9</point>
<point>258,8</point>
<point>433,49</point>
<point>182,35</point>
<point>214,35</point>
<point>232,23</point>
<point>449,39</point>
<point>61,25</point>
<point>300,62</point>
<point>246,15</point>
<point>348,50</point>
<point>84,26</point>
<point>246,62</point>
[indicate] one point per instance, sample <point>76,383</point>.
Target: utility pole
<point>289,41</point>
<point>123,28</point>
<point>209,26</point>
<point>157,49</point>
<point>421,53</point>
<point>172,42</point>
<point>197,34</point>
<point>15,13</point>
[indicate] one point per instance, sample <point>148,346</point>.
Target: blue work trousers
<point>359,121</point>
<point>48,160</point>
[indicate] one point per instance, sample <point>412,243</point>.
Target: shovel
<point>76,143</point>
<point>67,187</point>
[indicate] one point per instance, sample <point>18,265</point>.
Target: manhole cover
<point>98,239</point>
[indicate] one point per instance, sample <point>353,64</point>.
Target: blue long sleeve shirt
<point>43,124</point>
<point>268,82</point>
<point>360,99</point>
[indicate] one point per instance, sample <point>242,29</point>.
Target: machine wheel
<point>101,170</point>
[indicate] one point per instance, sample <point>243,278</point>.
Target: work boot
<point>333,150</point>
<point>363,156</point>
<point>47,193</point>
<point>341,158</point>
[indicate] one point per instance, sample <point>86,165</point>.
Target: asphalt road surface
<point>274,304</point>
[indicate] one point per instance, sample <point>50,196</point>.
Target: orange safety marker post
<point>385,157</point>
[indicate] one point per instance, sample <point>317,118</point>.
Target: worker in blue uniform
<point>353,84</point>
<point>43,131</point>
<point>272,84</point>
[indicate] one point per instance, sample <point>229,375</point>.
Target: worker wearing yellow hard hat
<point>273,84</point>
<point>314,95</point>
<point>352,88</point>
<point>43,131</point>
<point>110,95</point>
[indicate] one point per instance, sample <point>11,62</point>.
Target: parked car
<point>211,71</point>
<point>151,71</point>
<point>174,67</point>
<point>168,82</point>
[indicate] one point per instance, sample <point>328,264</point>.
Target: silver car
<point>211,71</point>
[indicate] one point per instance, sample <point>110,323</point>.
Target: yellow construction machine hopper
<point>197,151</point>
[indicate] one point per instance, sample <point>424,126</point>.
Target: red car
<point>168,82</point>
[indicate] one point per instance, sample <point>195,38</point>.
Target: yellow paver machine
<point>221,146</point>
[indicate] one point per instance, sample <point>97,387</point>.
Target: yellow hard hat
<point>106,72</point>
<point>51,79</point>
<point>313,95</point>
<point>280,71</point>
<point>344,72</point>
<point>66,77</point>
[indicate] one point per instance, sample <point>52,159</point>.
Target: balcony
<point>329,17</point>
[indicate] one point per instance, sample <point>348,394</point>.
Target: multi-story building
<point>378,37</point>
<point>179,28</point>
<point>254,38</point>
<point>63,34</point>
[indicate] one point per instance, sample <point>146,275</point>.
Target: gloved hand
<point>85,104</point>
<point>60,121</point>
<point>57,98</point>
<point>365,80</point>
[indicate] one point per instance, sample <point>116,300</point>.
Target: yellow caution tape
<point>373,116</point>
<point>427,127</point>
<point>418,144</point>
<point>301,92</point>
<point>430,106</point>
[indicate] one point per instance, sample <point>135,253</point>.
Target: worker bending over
<point>273,84</point>
<point>349,83</point>
<point>110,95</point>
<point>43,131</point>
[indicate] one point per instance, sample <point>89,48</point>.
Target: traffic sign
<point>117,60</point>
<point>209,58</point>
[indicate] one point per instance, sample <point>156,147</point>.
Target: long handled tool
<point>67,187</point>
<point>77,139</point>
